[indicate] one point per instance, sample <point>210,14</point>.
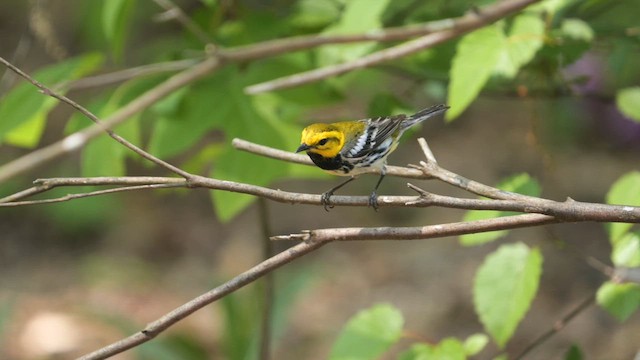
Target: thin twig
<point>557,326</point>
<point>465,24</point>
<point>131,73</point>
<point>426,150</point>
<point>90,194</point>
<point>175,12</point>
<point>78,139</point>
<point>91,116</point>
<point>156,327</point>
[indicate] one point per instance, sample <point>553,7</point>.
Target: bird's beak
<point>303,147</point>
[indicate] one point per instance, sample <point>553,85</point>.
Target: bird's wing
<point>376,131</point>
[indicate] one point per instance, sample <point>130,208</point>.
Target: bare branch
<point>89,194</point>
<point>465,24</point>
<point>426,150</point>
<point>247,277</point>
<point>557,326</point>
<point>567,211</point>
<point>421,232</point>
<point>43,185</point>
<point>175,12</point>
<point>131,73</point>
<point>563,211</point>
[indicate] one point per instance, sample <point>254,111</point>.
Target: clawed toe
<point>325,200</point>
<point>373,201</point>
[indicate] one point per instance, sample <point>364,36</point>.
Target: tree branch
<point>469,22</point>
<point>130,73</point>
<point>181,312</point>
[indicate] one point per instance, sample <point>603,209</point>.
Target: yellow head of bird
<point>322,139</point>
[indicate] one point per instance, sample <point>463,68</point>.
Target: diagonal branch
<point>156,327</point>
<point>78,139</point>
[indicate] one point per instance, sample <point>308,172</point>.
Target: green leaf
<point>550,6</point>
<point>358,16</point>
<point>475,344</point>
<point>519,183</point>
<point>577,29</point>
<point>524,40</point>
<point>574,353</point>
<point>315,13</point>
<point>504,288</point>
<point>242,119</point>
<point>619,300</point>
<point>628,101</point>
<point>24,110</point>
<point>626,250</point>
<point>483,237</point>
<point>447,349</point>
<point>474,61</point>
<point>115,23</point>
<point>186,116</point>
<point>368,334</point>
<point>625,191</point>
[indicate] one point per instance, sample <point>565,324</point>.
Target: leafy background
<point>543,103</point>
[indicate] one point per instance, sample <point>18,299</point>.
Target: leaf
<point>186,116</point>
<point>115,23</point>
<point>315,13</point>
<point>482,237</point>
<point>619,300</point>
<point>475,344</point>
<point>358,16</point>
<point>504,287</point>
<point>625,191</point>
<point>626,250</point>
<point>577,29</point>
<point>476,57</point>
<point>368,334</point>
<point>447,349</point>
<point>574,353</point>
<point>628,101</point>
<point>524,40</point>
<point>519,183</point>
<point>24,110</point>
<point>550,6</point>
<point>241,119</point>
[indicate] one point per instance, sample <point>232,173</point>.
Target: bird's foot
<point>373,200</point>
<point>325,200</point>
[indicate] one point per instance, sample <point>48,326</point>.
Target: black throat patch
<point>334,163</point>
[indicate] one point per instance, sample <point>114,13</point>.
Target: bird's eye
<point>323,142</point>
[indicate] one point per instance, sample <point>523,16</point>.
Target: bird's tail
<point>423,115</point>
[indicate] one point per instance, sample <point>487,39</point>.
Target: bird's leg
<point>373,198</point>
<point>325,196</point>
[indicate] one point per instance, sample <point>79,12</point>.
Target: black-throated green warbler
<point>350,148</point>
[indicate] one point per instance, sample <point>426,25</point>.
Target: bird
<point>351,148</point>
